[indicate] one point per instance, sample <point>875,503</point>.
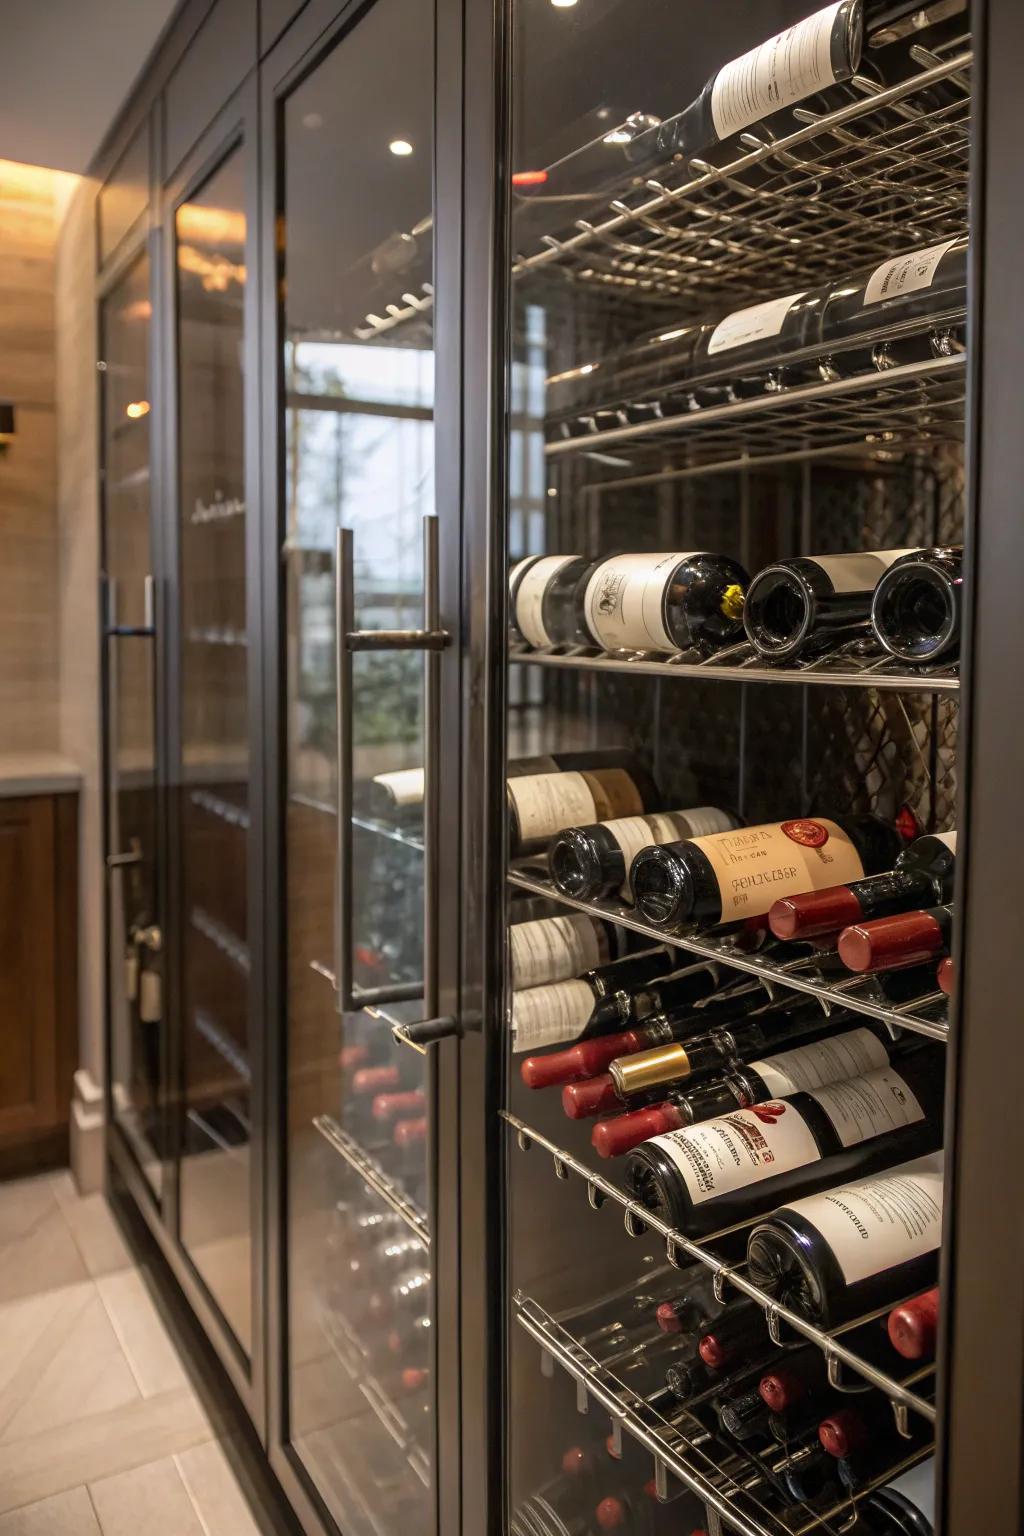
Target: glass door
<point>135,940</point>
<point>358,535</point>
<point>213,809</point>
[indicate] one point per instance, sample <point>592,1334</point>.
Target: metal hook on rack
<point>720,1281</point>
<point>523,1140</point>
<point>595,1196</point>
<point>834,1372</point>
<point>672,1253</point>
<point>634,1222</point>
<point>561,1171</point>
<point>774,1322</point>
<point>901,1413</point>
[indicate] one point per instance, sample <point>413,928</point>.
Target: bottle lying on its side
<point>797,607</point>
<point>922,875</point>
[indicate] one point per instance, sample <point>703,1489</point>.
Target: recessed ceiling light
<point>312,120</point>
<point>563,4</point>
<point>400,147</point>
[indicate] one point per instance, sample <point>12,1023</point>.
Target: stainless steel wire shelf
<point>844,667</point>
<point>778,1318</point>
<point>373,1175</point>
<point>884,169</point>
<point>885,414</point>
<point>352,1353</point>
<point>924,1015</point>
<point>737,1487</point>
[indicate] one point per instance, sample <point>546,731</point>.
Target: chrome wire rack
<point>924,1015</point>
<point>848,665</point>
<point>780,1320</point>
<point>351,1351</point>
<point>373,1175</point>
<point>738,1486</point>
<point>884,414</point>
<point>884,169</point>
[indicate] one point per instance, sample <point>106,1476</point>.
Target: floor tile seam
<point>176,1458</point>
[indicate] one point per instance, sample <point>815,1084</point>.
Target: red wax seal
<point>809,834</point>
<point>767,1113</point>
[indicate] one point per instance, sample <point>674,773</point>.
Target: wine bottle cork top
<point>613,1138</point>
<point>594,1096</point>
<point>909,938</point>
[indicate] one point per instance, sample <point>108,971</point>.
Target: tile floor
<point>101,1433</point>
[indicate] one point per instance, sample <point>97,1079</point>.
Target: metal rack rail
<point>885,169</point>
<point>923,1015</point>
<point>372,1174</point>
<point>352,1353</point>
<point>678,1248</point>
<point>841,667</point>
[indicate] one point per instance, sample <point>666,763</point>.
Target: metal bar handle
<point>431,640</point>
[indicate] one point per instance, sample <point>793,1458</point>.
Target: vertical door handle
<point>431,640</point>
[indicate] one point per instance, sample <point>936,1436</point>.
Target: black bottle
<point>734,876</point>
<point>802,605</point>
<point>584,787</point>
<point>814,53</point>
<point>542,600</point>
<point>850,1250</point>
<point>585,862</point>
<point>916,285</point>
<point>922,875</point>
<point>760,334</point>
<point>595,1003</point>
<point>663,602</point>
<point>711,1175</point>
<point>916,612</point>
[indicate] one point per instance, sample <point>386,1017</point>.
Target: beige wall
<point>77,621</point>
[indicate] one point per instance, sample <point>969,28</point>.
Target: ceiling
<point>66,67</point>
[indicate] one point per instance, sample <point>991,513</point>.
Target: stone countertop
<point>37,773</point>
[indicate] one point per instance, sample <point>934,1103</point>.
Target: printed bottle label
<point>730,1153</point>
<point>625,599</point>
<point>826,1061</point>
<point>858,573</point>
<point>554,949</point>
<point>788,67</point>
<point>881,1221</point>
<point>545,803</point>
<point>530,599</point>
<point>948,839</point>
<point>756,866</point>
<point>752,324</point>
<point>550,1015</point>
<point>635,832</point>
<point>904,274</point>
<point>405,786</point>
<point>869,1106</point>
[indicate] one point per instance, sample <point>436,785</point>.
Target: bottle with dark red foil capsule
<point>738,1334</point>
<point>725,1170</point>
<point>946,976</point>
<point>913,1326</point>
<point>909,938</point>
<point>827,1061</point>
<point>854,1248</point>
<point>731,877</point>
<point>922,875</point>
<point>596,1004</point>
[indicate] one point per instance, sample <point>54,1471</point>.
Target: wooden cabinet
<point>38,977</point>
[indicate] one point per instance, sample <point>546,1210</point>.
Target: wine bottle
<point>907,938</point>
<point>733,876</point>
<point>546,949</point>
<point>738,1334</point>
<point>826,1061</point>
<point>805,58</point>
<point>387,1107</point>
<point>923,875</point>
<point>913,1326</point>
<point>904,1507</point>
<point>846,1251</point>
<point>594,1004</point>
<point>761,333</point>
<point>396,794</point>
<point>916,612</point>
<point>945,976</point>
<point>542,600</point>
<point>662,602</point>
<point>674,997</point>
<point>585,862</point>
<point>588,787</point>
<point>744,1416</point>
<point>921,285</point>
<point>812,601</point>
<point>725,1170</point>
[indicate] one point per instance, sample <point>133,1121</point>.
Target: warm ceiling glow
<point>216,273</point>
<point>400,147</point>
<point>213,226</point>
<point>137,408</point>
<point>563,4</point>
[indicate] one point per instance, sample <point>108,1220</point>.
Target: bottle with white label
<point>928,285</point>
<point>853,1248</point>
<point>905,1507</point>
<point>922,876</point>
<point>663,602</point>
<point>848,1054</point>
<point>805,58</point>
<point>916,612</point>
<point>599,1001</point>
<point>760,333</point>
<point>725,1170</point>
<point>795,607</point>
<point>730,877</point>
<point>547,949</point>
<point>542,600</point>
<point>585,862</point>
<point>584,787</point>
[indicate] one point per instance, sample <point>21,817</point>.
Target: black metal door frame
<point>320,27</point>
